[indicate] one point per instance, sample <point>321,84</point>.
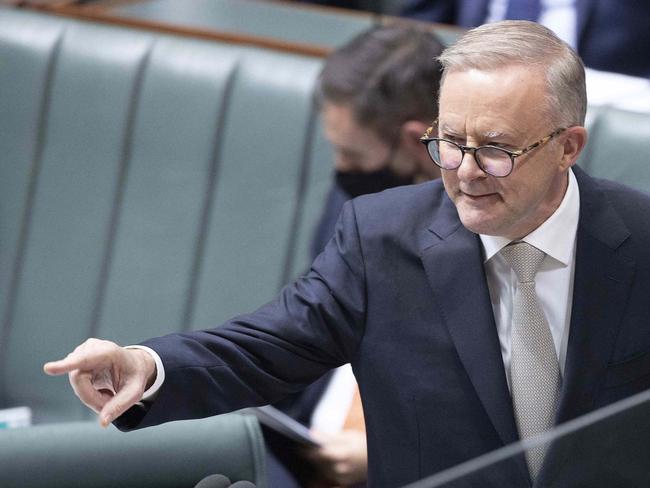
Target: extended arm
<point>314,325</point>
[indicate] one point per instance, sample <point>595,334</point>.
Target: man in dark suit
<point>609,36</point>
<point>422,289</point>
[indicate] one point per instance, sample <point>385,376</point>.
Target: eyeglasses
<point>493,160</point>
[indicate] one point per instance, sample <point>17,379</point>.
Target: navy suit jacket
<point>612,36</point>
<point>400,292</point>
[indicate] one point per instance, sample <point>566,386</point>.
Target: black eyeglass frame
<point>426,140</point>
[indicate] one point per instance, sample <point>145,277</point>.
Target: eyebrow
<point>491,134</point>
<point>494,134</point>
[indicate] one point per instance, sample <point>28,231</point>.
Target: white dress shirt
<point>553,282</point>
<point>334,405</point>
<point>152,391</point>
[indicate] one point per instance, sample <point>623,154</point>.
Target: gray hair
<point>519,42</point>
<point>387,76</point>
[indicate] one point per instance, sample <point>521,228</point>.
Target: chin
<point>479,223</point>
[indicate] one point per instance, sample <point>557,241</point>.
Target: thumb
<point>125,398</point>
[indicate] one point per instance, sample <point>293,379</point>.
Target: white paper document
<point>283,424</point>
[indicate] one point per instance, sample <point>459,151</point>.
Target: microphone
<point>214,481</point>
<point>242,484</point>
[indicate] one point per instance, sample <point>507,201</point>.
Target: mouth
<point>477,196</point>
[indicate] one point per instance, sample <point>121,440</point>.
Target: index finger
<point>70,363</point>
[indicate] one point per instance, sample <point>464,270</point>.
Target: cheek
<point>522,197</point>
<point>450,182</point>
<point>512,194</point>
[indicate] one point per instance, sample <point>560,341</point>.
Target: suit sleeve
<point>314,325</point>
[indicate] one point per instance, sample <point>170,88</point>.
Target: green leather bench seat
<point>174,455</point>
<point>150,184</point>
<point>619,147</point>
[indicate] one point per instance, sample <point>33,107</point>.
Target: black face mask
<point>356,183</point>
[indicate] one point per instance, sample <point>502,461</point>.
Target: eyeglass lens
<point>492,160</point>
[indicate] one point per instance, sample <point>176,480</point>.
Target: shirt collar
<point>556,236</point>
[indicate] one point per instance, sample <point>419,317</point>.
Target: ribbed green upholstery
<point>85,123</point>
<point>175,455</point>
<point>138,170</point>
<point>269,127</point>
<point>170,182</point>
<point>25,56</point>
<point>319,170</point>
<point>253,17</point>
<point>618,147</point>
<point>180,115</point>
<point>150,184</point>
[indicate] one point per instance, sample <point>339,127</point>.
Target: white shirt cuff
<point>152,391</point>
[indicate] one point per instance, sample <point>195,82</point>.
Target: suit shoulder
<point>632,207</point>
<point>400,214</point>
<point>624,192</point>
<point>423,197</point>
<point>627,200</point>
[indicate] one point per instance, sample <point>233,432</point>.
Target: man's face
<point>502,107</point>
<point>356,148</point>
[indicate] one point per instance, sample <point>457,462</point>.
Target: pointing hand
<point>107,378</point>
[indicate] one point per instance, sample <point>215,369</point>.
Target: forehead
<point>509,99</point>
<point>341,125</point>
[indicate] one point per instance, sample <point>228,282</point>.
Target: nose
<point>469,169</point>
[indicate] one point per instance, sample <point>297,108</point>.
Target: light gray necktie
<point>534,370</point>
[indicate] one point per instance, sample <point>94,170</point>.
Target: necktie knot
<point>524,260</point>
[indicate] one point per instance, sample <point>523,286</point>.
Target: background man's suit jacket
<point>612,36</point>
<point>400,292</point>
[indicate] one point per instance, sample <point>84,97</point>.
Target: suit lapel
<point>453,263</point>
<point>601,287</point>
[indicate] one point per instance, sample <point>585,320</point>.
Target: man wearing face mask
<point>377,95</point>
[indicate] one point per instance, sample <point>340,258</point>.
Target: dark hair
<point>387,75</point>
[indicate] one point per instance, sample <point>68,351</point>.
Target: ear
<point>573,141</point>
<point>411,131</point>
<point>410,134</point>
